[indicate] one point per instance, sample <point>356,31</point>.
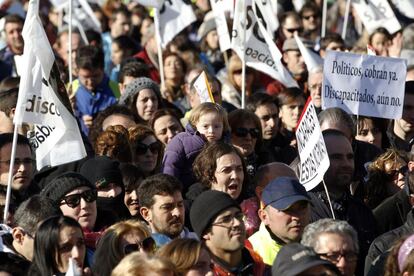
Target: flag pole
<point>70,46</point>
<point>324,12</point>
<point>243,95</point>
<point>10,178</point>
<point>329,198</point>
<point>347,9</point>
<point>159,46</point>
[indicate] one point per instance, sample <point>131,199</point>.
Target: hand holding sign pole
<point>314,159</point>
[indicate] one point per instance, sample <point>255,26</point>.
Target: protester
<point>61,46</point>
<point>294,61</point>
<point>13,26</point>
<point>166,124</point>
<point>57,240</point>
<point>143,97</point>
<point>147,150</point>
<point>207,123</point>
<point>162,206</point>
<point>189,256</point>
<point>335,241</point>
<point>132,177</point>
<point>315,78</point>
<point>220,226</point>
<point>284,215</point>
<point>136,264</point>
<point>119,240</point>
<point>174,72</point>
<point>122,47</point>
<point>371,130</point>
<point>114,143</point>
<point>311,21</point>
<point>8,101</point>
<point>130,69</point>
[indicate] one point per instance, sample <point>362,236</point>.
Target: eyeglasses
<point>335,257</point>
<point>394,173</point>
<point>229,219</point>
<point>148,245</point>
<point>307,17</point>
<point>73,200</point>
<point>142,148</point>
<point>243,132</point>
<point>18,161</point>
<point>292,30</point>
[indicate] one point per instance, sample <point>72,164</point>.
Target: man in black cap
<point>284,215</point>
<point>218,221</point>
<point>296,259</point>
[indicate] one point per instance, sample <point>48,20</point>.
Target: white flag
<point>82,16</point>
<point>405,7</point>
<point>259,50</point>
<point>311,59</point>
<point>218,8</point>
<point>375,14</point>
<point>174,16</point>
<point>150,3</point>
<point>56,137</point>
<point>270,18</point>
<point>73,269</point>
<point>203,89</point>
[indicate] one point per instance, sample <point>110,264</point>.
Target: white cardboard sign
<point>219,12</point>
<point>203,88</point>
<point>375,14</point>
<point>314,159</point>
<point>364,85</point>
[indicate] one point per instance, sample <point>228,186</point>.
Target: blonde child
<point>207,123</point>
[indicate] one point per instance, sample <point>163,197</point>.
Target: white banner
<point>218,8</point>
<point>150,3</point>
<point>311,59</point>
<point>174,15</point>
<point>314,159</point>
<point>364,85</point>
<point>405,7</point>
<point>270,19</point>
<point>203,89</point>
<point>56,137</point>
<point>259,50</point>
<point>82,16</point>
<point>375,14</point>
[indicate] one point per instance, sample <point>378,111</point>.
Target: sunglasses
<point>142,148</point>
<point>73,200</point>
<point>148,245</point>
<point>394,173</point>
<point>294,30</point>
<point>243,132</point>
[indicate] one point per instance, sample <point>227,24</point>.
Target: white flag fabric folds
<point>150,3</point>
<point>258,49</point>
<point>219,11</point>
<point>174,16</point>
<point>311,59</point>
<point>43,100</point>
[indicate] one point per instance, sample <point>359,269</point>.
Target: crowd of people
<point>172,185</point>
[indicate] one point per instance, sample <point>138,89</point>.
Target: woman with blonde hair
<point>385,176</point>
<point>189,256</point>
<point>120,240</point>
<point>136,264</point>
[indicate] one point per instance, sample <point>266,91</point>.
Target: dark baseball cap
<point>284,191</point>
<point>295,258</point>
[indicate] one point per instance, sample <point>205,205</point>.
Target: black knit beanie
<point>206,207</point>
<point>102,170</point>
<point>64,184</point>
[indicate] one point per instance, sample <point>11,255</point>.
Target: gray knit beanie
<point>137,85</point>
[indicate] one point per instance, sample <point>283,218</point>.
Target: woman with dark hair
<point>166,124</point>
<point>143,97</point>
<point>147,150</point>
<point>122,47</point>
<point>132,177</point>
<point>174,73</point>
<point>400,260</point>
<point>57,240</point>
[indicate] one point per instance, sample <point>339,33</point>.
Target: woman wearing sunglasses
<point>57,240</point>
<point>246,136</point>
<point>147,150</point>
<point>76,197</point>
<point>120,240</point>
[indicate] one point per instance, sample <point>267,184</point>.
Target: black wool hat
<point>206,207</point>
<point>64,184</point>
<point>102,170</point>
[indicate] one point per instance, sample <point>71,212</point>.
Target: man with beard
<point>218,221</point>
<point>162,206</point>
<point>284,215</point>
<point>23,168</point>
<point>13,26</point>
<point>345,206</point>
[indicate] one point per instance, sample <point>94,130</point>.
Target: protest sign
<point>43,100</point>
<point>364,85</point>
<point>405,7</point>
<point>203,89</point>
<point>174,16</point>
<point>218,8</point>
<point>375,14</point>
<point>314,159</point>
<point>258,50</point>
